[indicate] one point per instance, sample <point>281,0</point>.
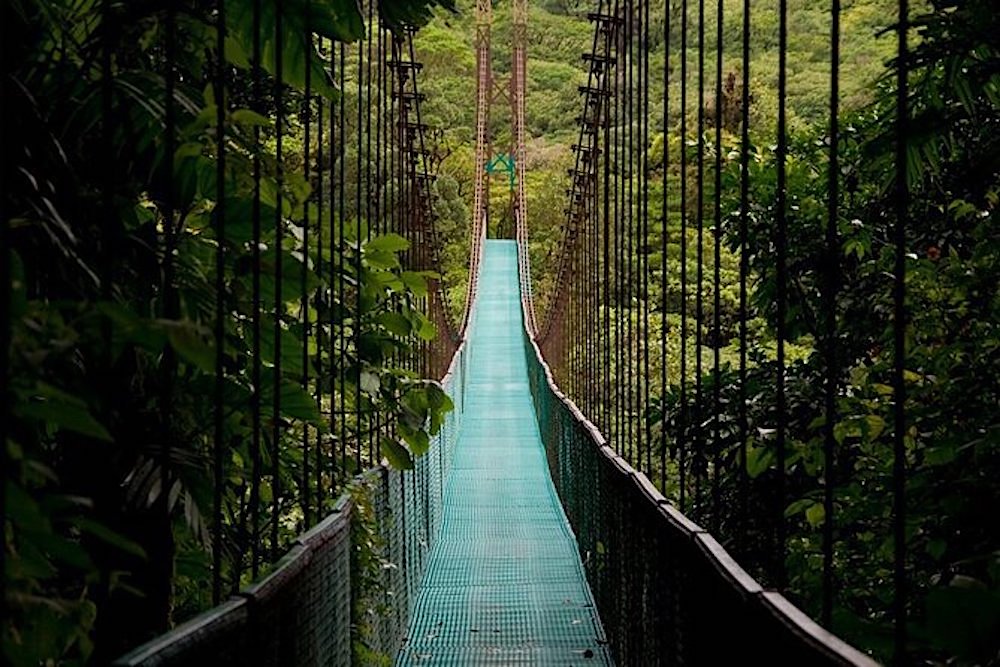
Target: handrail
<point>756,609</point>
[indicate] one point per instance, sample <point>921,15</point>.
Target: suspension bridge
<point>548,521</point>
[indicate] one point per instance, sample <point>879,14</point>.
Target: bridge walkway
<point>504,584</point>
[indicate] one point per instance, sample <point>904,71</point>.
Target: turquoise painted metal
<point>504,584</point>
<point>503,162</point>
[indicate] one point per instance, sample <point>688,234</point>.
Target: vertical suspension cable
<point>336,366</point>
<point>279,304</point>
<point>304,272</point>
<point>382,143</point>
<point>606,232</point>
<point>257,307</point>
<point>342,255</point>
<point>417,257</point>
<point>6,279</point>
<point>623,304</point>
<point>574,329</point>
<point>832,275</point>
<point>644,117</point>
<point>618,233</point>
<point>744,271</point>
<point>902,203</point>
<point>377,204</point>
<point>717,277</point>
<point>109,239</point>
<point>595,268</point>
<point>639,234</point>
<point>698,459</point>
<point>371,418</point>
<point>594,166</point>
<point>171,304</point>
<point>322,297</point>
<point>356,334</point>
<point>682,419</point>
<point>664,240</point>
<point>400,173</point>
<point>220,297</point>
<point>781,290</point>
<point>628,211</point>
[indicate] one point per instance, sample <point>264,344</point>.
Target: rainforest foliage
<point>111,197</point>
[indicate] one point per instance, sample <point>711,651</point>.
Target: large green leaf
<point>391,243</point>
<point>62,412</point>
<point>296,402</point>
<point>396,454</point>
<point>192,344</point>
<point>340,20</point>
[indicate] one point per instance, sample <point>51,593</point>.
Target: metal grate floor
<point>504,585</point>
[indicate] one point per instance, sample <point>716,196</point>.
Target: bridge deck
<point>504,584</point>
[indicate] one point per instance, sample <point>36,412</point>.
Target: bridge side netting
<point>359,568</point>
<point>666,590</point>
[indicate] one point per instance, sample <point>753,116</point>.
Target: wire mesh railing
<point>663,585</point>
<point>344,592</point>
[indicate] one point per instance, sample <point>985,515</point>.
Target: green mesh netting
<point>504,583</point>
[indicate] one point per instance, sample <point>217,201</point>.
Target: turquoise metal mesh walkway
<point>504,584</point>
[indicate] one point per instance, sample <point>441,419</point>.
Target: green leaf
<point>415,282</point>
<point>18,287</point>
<point>427,330</point>
<point>815,514</point>
<point>105,534</point>
<point>438,399</point>
<point>395,323</point>
<point>190,345</point>
<point>759,459</point>
<point>392,243</point>
<point>24,510</point>
<point>291,346</point>
<point>874,426</point>
<point>235,53</point>
<point>58,548</point>
<point>382,260</point>
<point>250,118</point>
<point>798,506</point>
<point>341,20</point>
<point>296,402</point>
<point>64,417</point>
<point>396,454</point>
<point>416,438</point>
<point>935,456</point>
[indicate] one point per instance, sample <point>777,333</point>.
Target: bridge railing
<point>666,590</point>
<point>360,567</point>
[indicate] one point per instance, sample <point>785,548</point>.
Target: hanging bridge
<point>533,531</point>
<point>551,520</point>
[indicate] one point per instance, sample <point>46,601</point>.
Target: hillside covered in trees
<point>559,34</point>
